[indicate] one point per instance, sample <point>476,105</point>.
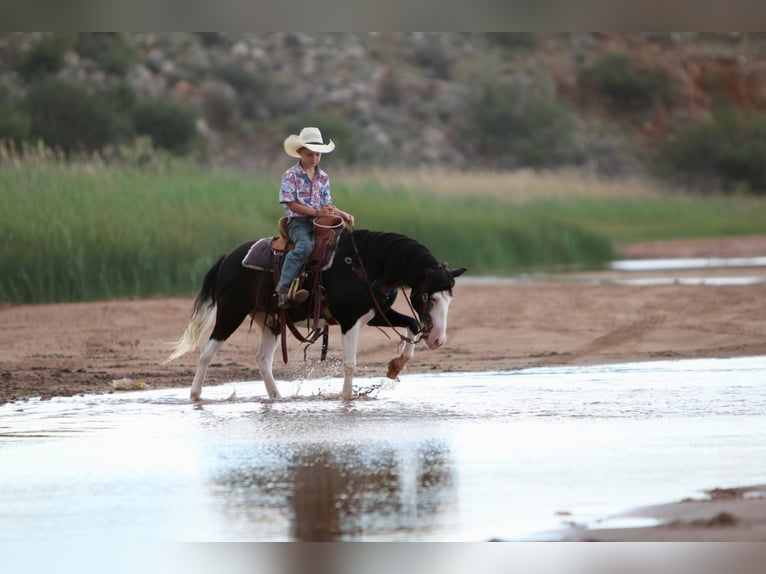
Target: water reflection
<point>452,457</point>
<point>342,492</point>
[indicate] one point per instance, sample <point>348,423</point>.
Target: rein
<point>423,329</point>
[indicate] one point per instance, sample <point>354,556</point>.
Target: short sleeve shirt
<point>297,186</point>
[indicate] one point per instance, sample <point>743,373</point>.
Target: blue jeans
<point>301,231</point>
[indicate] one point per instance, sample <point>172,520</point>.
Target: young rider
<point>305,194</point>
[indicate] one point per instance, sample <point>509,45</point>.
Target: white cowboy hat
<point>310,138</point>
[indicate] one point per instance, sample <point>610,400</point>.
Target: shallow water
<point>686,263</point>
<point>432,457</point>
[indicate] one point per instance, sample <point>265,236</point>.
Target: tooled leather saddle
<point>263,254</point>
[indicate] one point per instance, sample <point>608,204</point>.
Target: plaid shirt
<point>297,186</point>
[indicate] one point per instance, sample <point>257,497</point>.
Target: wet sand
<point>720,515</point>
<point>65,349</point>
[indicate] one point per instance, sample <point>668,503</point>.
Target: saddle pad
<point>260,256</point>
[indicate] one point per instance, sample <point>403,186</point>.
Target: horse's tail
<point>203,313</point>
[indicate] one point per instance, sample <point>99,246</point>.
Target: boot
<point>288,300</point>
<point>300,296</point>
<point>296,295</point>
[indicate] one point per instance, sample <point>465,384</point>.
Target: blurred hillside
<point>611,103</point>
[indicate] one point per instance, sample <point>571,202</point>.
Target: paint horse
<point>359,288</point>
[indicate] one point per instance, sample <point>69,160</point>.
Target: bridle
<point>423,317</point>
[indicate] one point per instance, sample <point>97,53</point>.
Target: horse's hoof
<point>194,397</point>
<point>395,366</point>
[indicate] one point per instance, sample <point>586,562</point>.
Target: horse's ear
<point>458,272</point>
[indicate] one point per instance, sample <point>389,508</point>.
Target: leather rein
<point>424,326</point>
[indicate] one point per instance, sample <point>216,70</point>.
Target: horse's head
<point>431,300</point>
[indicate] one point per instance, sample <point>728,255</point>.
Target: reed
<point>96,228</point>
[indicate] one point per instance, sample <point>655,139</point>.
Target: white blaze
<point>438,335</point>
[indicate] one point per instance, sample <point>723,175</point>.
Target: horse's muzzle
<point>433,341</point>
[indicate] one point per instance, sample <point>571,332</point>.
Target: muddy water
<point>441,457</point>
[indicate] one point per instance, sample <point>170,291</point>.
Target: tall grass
<point>73,231</point>
<point>71,234</point>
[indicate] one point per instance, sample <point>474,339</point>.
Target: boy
<point>305,194</point>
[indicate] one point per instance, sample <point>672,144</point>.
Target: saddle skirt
<point>260,256</point>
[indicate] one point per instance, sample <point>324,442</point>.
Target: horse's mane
<point>395,259</point>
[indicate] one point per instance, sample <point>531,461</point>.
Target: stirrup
<point>287,301</point>
<point>294,295</point>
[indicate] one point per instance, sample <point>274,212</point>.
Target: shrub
<point>390,91</point>
<point>70,117</point>
<point>170,125</point>
<point>240,78</point>
<point>619,85</point>
<point>211,39</point>
<point>109,49</point>
<point>727,151</point>
<point>520,124</point>
<point>46,56</point>
<point>251,89</point>
<point>435,58</point>
<point>220,109</point>
<point>15,122</point>
<point>514,40</point>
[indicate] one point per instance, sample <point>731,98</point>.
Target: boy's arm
<point>347,217</point>
<point>298,207</point>
<point>327,209</point>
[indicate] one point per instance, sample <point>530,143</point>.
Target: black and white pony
<point>367,264</point>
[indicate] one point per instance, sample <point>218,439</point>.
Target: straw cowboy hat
<point>310,138</point>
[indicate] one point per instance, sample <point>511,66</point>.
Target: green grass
<point>92,230</point>
<point>623,220</point>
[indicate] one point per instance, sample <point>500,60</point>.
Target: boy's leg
<point>302,234</point>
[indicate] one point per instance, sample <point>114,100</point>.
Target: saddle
<point>263,254</point>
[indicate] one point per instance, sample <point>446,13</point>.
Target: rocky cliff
<point>415,98</point>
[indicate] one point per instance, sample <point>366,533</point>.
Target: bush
<point>170,125</point>
<point>727,151</point>
<point>434,57</point>
<point>520,124</point>
<point>251,89</point>
<point>211,39</point>
<point>15,122</point>
<point>514,40</point>
<point>619,85</point>
<point>46,56</point>
<point>220,109</point>
<point>109,49</point>
<point>70,117</point>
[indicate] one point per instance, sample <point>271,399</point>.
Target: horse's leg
<point>205,358</point>
<point>397,364</point>
<point>265,356</point>
<point>350,339</point>
<point>229,316</point>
